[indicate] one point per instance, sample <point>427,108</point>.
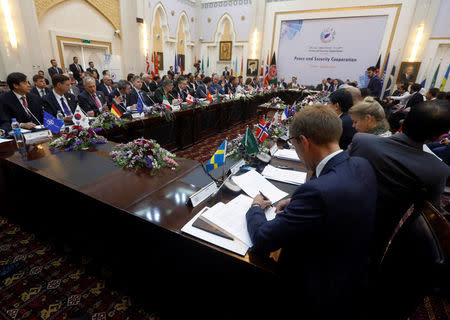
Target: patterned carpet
<point>205,149</point>
<point>54,285</point>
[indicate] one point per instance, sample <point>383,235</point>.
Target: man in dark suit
<point>170,73</point>
<point>137,93</point>
<point>322,86</point>
<point>324,229</point>
<point>92,69</point>
<point>40,88</point>
<point>54,69</point>
<point>226,72</point>
<point>92,102</point>
<point>106,87</point>
<point>146,80</point>
<point>202,89</point>
<point>154,84</point>
<point>179,92</point>
<point>20,104</point>
<point>416,96</point>
<point>215,87</point>
<point>163,91</point>
<point>74,88</point>
<point>341,101</point>
<point>76,69</point>
<point>121,97</point>
<point>60,98</point>
<point>282,84</point>
<point>191,84</point>
<point>405,173</point>
<point>374,84</point>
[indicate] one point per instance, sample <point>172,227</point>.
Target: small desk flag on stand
<point>52,123</point>
<point>261,131</point>
<point>218,158</point>
<point>166,103</point>
<point>115,111</point>
<point>287,113</point>
<point>79,118</point>
<point>249,141</point>
<point>209,97</point>
<point>189,98</point>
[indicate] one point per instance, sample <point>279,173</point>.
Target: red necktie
<point>25,104</point>
<point>99,106</point>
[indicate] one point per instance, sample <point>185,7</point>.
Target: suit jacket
<point>75,91</point>
<point>375,86</point>
<point>147,100</point>
<point>153,85</point>
<point>405,173</point>
<point>102,87</point>
<point>192,87</point>
<point>51,105</point>
<point>347,131</point>
<point>322,87</point>
<point>12,108</point>
<point>145,87</point>
<point>201,91</point>
<point>283,85</point>
<point>52,71</point>
<point>75,72</point>
<point>178,92</point>
<point>87,103</point>
<point>92,70</point>
<point>324,234</point>
<point>214,88</point>
<point>414,100</point>
<point>35,91</point>
<point>171,73</point>
<point>126,103</point>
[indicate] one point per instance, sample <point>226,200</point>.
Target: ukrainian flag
<point>218,158</point>
<point>444,81</point>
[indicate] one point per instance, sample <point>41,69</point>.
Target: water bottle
<point>17,132</point>
<point>60,116</point>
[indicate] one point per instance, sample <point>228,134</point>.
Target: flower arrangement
<point>106,120</point>
<point>276,103</point>
<point>78,139</point>
<point>143,153</point>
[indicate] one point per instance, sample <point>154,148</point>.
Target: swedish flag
<point>218,158</point>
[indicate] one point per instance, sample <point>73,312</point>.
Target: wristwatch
<point>256,205</point>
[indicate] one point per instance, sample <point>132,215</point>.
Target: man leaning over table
<point>325,227</point>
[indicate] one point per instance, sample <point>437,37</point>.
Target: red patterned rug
<point>52,286</point>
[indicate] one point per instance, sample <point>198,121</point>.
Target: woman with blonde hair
<point>368,116</point>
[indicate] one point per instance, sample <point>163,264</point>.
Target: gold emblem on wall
<point>172,12</point>
<point>243,18</point>
<point>209,20</point>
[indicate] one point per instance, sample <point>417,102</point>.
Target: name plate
<point>237,166</point>
<point>34,137</point>
<point>136,116</point>
<point>176,108</point>
<point>203,194</point>
<point>274,149</point>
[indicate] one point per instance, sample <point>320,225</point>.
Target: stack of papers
<point>282,175</point>
<point>287,154</point>
<point>254,183</point>
<point>5,140</point>
<point>230,219</point>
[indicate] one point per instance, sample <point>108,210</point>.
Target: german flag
<point>115,111</point>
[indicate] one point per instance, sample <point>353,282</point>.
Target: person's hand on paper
<point>282,204</point>
<point>259,200</point>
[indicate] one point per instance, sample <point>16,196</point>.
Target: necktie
<point>25,105</point>
<point>109,89</point>
<point>78,67</point>
<point>97,102</point>
<point>42,93</point>
<point>65,107</point>
<point>142,98</point>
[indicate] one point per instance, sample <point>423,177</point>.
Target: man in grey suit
<point>405,173</point>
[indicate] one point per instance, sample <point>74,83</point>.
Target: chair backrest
<point>415,263</point>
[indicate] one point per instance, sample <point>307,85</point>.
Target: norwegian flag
<point>189,98</point>
<point>261,131</point>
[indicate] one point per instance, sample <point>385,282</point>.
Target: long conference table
<point>131,221</point>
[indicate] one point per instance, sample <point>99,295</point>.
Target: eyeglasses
<point>289,139</point>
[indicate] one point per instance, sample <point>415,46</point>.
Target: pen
<point>265,198</point>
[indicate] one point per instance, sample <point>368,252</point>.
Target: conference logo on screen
<point>327,35</point>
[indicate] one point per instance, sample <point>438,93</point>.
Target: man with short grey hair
<point>92,102</point>
<point>146,80</point>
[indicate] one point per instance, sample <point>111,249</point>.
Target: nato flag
<point>51,123</point>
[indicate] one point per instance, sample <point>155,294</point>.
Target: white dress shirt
<point>403,98</point>
<point>324,161</point>
<point>19,97</point>
<point>58,98</point>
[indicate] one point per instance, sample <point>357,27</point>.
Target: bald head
<point>356,94</point>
